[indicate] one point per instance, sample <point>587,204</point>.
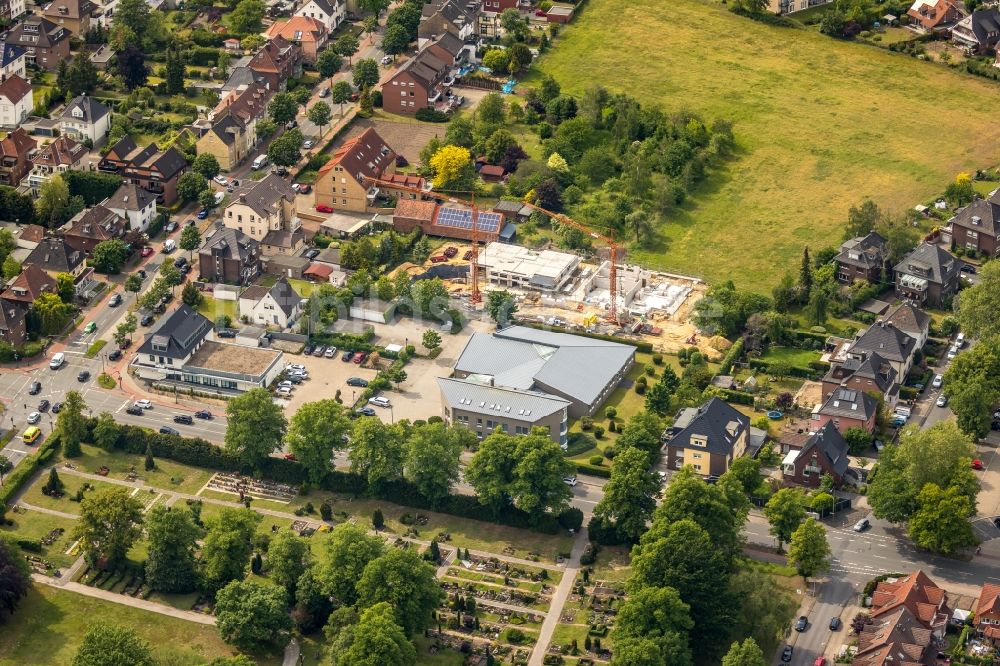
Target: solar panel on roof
<point>460,218</point>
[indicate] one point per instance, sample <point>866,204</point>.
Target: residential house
<point>240,78</point>
<point>232,45</point>
<point>86,118</point>
<point>342,183</point>
<point>863,258</point>
<point>13,322</point>
<point>866,372</point>
<point>46,44</point>
<point>92,226</point>
<point>134,204</point>
<point>16,101</point>
<point>228,140</point>
<point>489,16</point>
<point>62,155</point>
<point>847,408</point>
<point>74,15</point>
<point>887,341</point>
<point>229,256</point>
<point>910,320</point>
<point>310,33</point>
<point>824,452</point>
<point>11,9</point>
<point>279,306</point>
<point>927,276</point>
<point>102,57</point>
<point>933,14</point>
<point>559,14</point>
<point>708,438</point>
<point>979,31</point>
<point>329,12</point>
<point>441,16</point>
<point>265,211</point>
<point>153,170</point>
<point>416,85</point>
<point>16,150</point>
<point>54,255</point>
<point>13,58</point>
<point>987,610</point>
<point>448,48</point>
<point>276,61</point>
<point>976,228</point>
<point>897,638</point>
<point>917,593</point>
<point>30,283</point>
<point>485,409</point>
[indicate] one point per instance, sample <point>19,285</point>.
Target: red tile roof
<point>366,155</point>
<point>29,285</point>
<point>298,28</point>
<point>15,88</point>
<point>321,271</point>
<point>917,592</point>
<point>414,209</point>
<point>989,599</point>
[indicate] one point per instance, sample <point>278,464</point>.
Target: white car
<point>294,366</point>
<point>570,480</point>
<point>301,374</point>
<point>57,361</point>
<point>386,59</point>
<point>221,180</point>
<point>952,353</point>
<point>308,143</point>
<point>284,391</point>
<point>938,380</point>
<point>960,340</point>
<point>330,352</point>
<point>34,417</point>
<point>144,404</point>
<point>379,401</point>
<point>942,400</point>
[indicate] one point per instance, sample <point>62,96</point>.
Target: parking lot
<point>326,376</point>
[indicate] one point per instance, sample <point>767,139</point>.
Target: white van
<point>169,246</point>
<point>57,361</point>
<point>259,162</point>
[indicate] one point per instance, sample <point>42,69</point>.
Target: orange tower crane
<point>562,219</point>
<point>476,296</point>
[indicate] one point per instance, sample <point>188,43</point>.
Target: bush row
<point>592,470</point>
<point>23,472</point>
<point>731,357</point>
<point>738,397</point>
<point>28,350</point>
<point>794,371</point>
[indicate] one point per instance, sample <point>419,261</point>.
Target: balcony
<point>373,194</point>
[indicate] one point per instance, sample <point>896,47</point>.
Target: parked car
<point>285,384</point>
<point>36,388</point>
<point>835,624</point>
<point>171,227</point>
<point>294,366</point>
<point>308,143</point>
<point>366,411</point>
<point>221,180</point>
<point>43,406</point>
<point>115,301</point>
<point>330,352</point>
<point>202,214</point>
<point>323,208</point>
<point>284,391</point>
<point>167,430</point>
<point>305,188</point>
<point>56,407</point>
<point>146,251</point>
<point>180,261</point>
<point>977,464</point>
<point>968,268</point>
<point>83,376</point>
<point>319,350</point>
<point>862,525</point>
<point>146,320</point>
<point>289,456</point>
<point>183,418</point>
<point>386,59</point>
<point>115,355</point>
<point>802,623</point>
<point>952,352</point>
<point>437,259</point>
<point>34,417</point>
<point>942,400</point>
<point>203,414</point>
<point>348,355</point>
<point>938,381</point>
<point>570,480</point>
<point>360,357</point>
<point>820,661</point>
<point>311,254</point>
<point>960,340</point>
<point>134,410</point>
<point>144,404</point>
<point>357,381</point>
<point>786,654</point>
<point>57,360</point>
<point>294,379</point>
<point>540,13</point>
<point>307,350</point>
<point>379,401</point>
<point>450,252</point>
<point>324,92</point>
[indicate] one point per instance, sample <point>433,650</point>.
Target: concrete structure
<point>229,256</point>
<point>372,309</point>
<point>579,369</point>
<point>516,266</point>
<point>279,306</point>
<point>707,438</point>
<point>559,14</point>
<point>86,118</point>
<point>16,101</point>
<point>485,409</point>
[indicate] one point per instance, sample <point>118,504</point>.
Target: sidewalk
<point>559,600</point>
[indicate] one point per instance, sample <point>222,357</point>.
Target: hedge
<point>738,397</point>
<point>23,472</point>
<point>731,357</point>
<point>908,393</point>
<point>641,346</point>
<point>794,371</point>
<point>592,470</point>
<point>799,336</point>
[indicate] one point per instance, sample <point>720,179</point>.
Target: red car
<point>438,259</point>
<point>290,456</point>
<point>540,13</point>
<point>360,357</point>
<point>820,661</point>
<point>146,251</point>
<point>322,208</point>
<point>977,464</point>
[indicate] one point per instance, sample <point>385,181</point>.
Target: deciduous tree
<point>320,114</point>
<point>809,551</point>
<point>251,615</point>
<point>112,645</point>
<point>452,167</point>
<point>941,523</point>
<point>365,73</point>
<point>747,653</point>
<point>657,614</point>
<point>227,546</point>
<point>108,256</point>
<point>282,108</point>
<point>785,511</point>
<point>15,578</point>
<point>432,457</point>
<point>406,582</point>
<point>316,431</point>
<point>628,501</point>
<point>395,40</point>
<point>377,451</point>
<point>340,93</point>
<point>206,165</point>
<point>71,423</point>
<point>349,549</point>
<point>190,185</point>
<point>256,427</point>
<point>170,565</point>
<point>375,639</point>
<point>329,62</point>
<point>347,45</point>
<point>108,526</point>
<point>288,558</point>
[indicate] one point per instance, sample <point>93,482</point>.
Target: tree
<point>288,558</point>
<point>858,440</point>
<point>816,308</point>
<point>190,185</point>
<point>320,114</point>
<point>540,468</point>
<point>376,639</point>
<point>206,165</point>
<point>452,167</point>
<point>191,295</point>
<point>329,63</point>
<point>106,431</point>
<point>51,313</point>
<point>491,471</point>
<point>941,523</point>
<point>979,305</point>
<point>65,287</point>
<point>520,58</point>
<point>282,108</point>
<point>72,423</point>
<point>642,432</point>
<point>501,306</point>
<point>256,427</point>
<point>227,546</point>
<point>972,384</point>
<point>108,256</point>
<point>349,549</point>
<point>640,223</point>
<point>190,239</point>
<point>809,551</point>
<point>628,500</point>
<point>251,615</point>
<point>961,192</point>
<point>785,511</point>
<point>170,565</point>
<point>52,205</point>
<point>377,451</point>
<point>747,653</point>
<point>113,645</point>
<point>131,67</point>
<point>492,109</point>
<point>432,458</point>
<point>365,73</point>
<point>370,26</point>
<point>406,583</point>
<point>497,61</point>
<point>108,525</point>
<point>15,578</point>
<point>347,45</point>
<point>805,276</point>
<point>133,14</point>
<point>374,7</point>
<point>11,269</point>
<point>285,150</point>
<point>656,614</point>
<point>431,339</point>
<point>395,40</point>
<point>175,78</point>
<point>5,466</point>
<point>317,429</point>
<point>658,399</point>
<point>170,274</point>
<point>247,16</point>
<point>340,93</point>
<point>940,454</point>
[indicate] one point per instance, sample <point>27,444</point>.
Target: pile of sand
<point>719,343</point>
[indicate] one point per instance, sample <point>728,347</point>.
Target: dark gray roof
<point>169,162</point>
<point>425,67</point>
<point>92,109</point>
<point>982,215</point>
<point>930,262</point>
<point>849,403</point>
<point>829,443</point>
<point>264,195</point>
<point>865,251</point>
<point>230,244</point>
<point>281,238</point>
<point>524,358</point>
<point>908,318</point>
<point>985,25</point>
<point>178,335</point>
<point>53,254</point>
<point>450,43</point>
<point>282,293</point>
<point>10,52</point>
<point>884,340</point>
<point>877,369</point>
<point>241,77</point>
<point>226,128</point>
<point>505,403</point>
<point>717,421</point>
<point>130,196</point>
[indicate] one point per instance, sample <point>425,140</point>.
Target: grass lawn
<point>816,120</point>
<point>65,504</point>
<point>612,564</point>
<point>800,358</point>
<point>36,525</point>
<point>213,308</point>
<point>167,474</point>
<point>50,624</point>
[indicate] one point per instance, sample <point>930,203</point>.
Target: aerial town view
<point>499,332</point>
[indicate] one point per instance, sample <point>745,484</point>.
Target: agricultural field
<point>788,184</point>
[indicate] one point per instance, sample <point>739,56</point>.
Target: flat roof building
<point>515,266</point>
